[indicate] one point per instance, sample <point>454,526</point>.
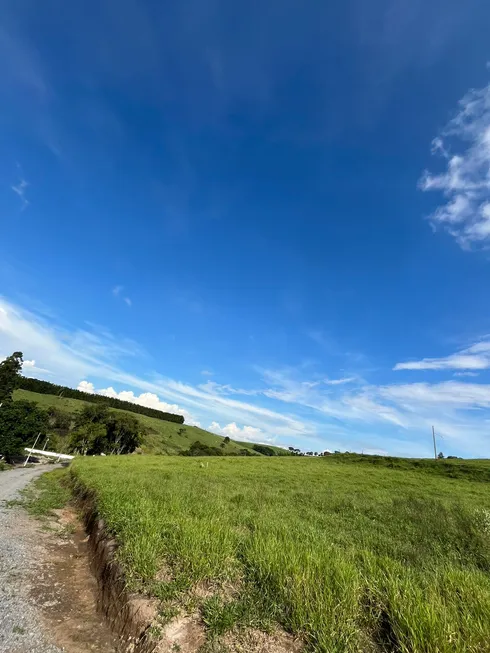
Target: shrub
<point>197,448</point>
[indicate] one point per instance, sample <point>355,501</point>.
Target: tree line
<point>198,448</point>
<point>47,388</point>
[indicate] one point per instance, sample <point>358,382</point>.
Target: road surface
<point>21,627</point>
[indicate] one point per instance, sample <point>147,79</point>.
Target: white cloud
<point>225,389</point>
<point>20,190</point>
<point>117,292</point>
<point>245,433</point>
<point>26,364</point>
<point>348,379</point>
<point>86,386</point>
<point>75,355</point>
<point>311,414</point>
<point>207,373</point>
<point>452,393</point>
<point>476,357</point>
<point>466,180</point>
<point>465,374</point>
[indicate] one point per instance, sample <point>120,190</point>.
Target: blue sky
<point>273,217</point>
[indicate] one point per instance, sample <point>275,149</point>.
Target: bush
<point>264,450</point>
<point>199,449</point>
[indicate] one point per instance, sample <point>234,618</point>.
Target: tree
<point>98,430</point>
<point>10,369</point>
<point>20,423</point>
<point>264,450</point>
<point>123,433</point>
<point>59,421</point>
<point>226,440</point>
<point>440,455</point>
<point>89,439</point>
<point>94,413</point>
<point>197,448</point>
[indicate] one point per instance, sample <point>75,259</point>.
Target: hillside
<point>473,470</point>
<point>161,437</point>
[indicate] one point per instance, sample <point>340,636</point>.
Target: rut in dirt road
<point>47,593</point>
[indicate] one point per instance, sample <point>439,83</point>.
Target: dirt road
<point>16,479</point>
<point>21,629</point>
<point>47,593</point>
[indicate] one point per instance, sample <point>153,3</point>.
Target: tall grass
<point>350,557</point>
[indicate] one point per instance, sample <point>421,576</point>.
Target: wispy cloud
<point>207,373</point>
<point>324,340</point>
<point>342,381</point>
<point>465,146</point>
<point>20,190</point>
<point>226,389</point>
<point>81,354</point>
<point>285,407</point>
<point>244,433</point>
<point>475,357</point>
<point>117,292</point>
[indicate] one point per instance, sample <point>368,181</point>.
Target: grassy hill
<point>473,470</point>
<point>161,437</point>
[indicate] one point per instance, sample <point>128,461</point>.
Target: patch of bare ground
<point>225,590</point>
<point>184,634</point>
<point>65,590</point>
<point>251,640</point>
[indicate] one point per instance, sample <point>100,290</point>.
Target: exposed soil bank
<point>130,616</point>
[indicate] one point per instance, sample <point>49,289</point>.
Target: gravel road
<point>21,629</point>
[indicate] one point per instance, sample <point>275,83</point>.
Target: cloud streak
<point>284,408</point>
<point>82,354</point>
<point>476,357</point>
<point>20,190</point>
<point>117,292</point>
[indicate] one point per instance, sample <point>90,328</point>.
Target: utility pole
<point>27,459</point>
<point>434,440</point>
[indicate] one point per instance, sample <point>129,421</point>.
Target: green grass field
<point>162,437</point>
<point>353,558</point>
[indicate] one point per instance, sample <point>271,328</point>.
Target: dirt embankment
<point>130,616</point>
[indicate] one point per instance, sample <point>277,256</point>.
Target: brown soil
<point>183,634</point>
<point>256,641</point>
<point>66,592</point>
